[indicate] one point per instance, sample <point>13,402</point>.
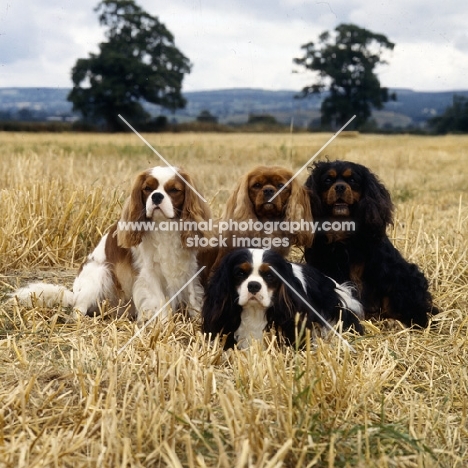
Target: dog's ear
<point>196,211</point>
<point>375,206</point>
<point>286,302</point>
<point>312,185</point>
<point>238,205</point>
<point>134,210</point>
<point>221,311</point>
<point>282,299</point>
<point>299,210</point>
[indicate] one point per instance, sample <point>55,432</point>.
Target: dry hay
<point>171,398</point>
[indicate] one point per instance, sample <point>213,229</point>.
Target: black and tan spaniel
<point>349,195</point>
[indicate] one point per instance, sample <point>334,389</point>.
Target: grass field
<point>68,399</point>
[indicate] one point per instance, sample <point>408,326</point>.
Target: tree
<point>206,116</point>
<point>262,119</point>
<point>139,62</point>
<point>345,63</point>
<point>454,118</point>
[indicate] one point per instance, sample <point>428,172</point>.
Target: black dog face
<point>340,190</point>
<point>346,190</point>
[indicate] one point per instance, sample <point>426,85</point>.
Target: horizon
<point>250,88</point>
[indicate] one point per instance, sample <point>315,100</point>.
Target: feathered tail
<point>43,294</point>
<point>348,301</point>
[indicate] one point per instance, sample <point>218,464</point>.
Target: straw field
<point>69,399</point>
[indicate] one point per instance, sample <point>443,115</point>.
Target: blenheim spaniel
<point>388,286</point>
<point>136,265</point>
<point>254,290</point>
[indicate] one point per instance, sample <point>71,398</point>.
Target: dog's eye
<point>257,185</point>
<point>174,190</point>
<point>147,189</point>
<point>280,186</point>
<point>268,275</point>
<point>240,274</point>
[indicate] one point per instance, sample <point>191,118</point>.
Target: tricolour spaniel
<point>270,223</point>
<point>253,290</point>
<point>140,263</point>
<point>388,286</point>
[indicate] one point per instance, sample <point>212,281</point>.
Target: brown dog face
<point>340,188</point>
<point>250,200</point>
<point>158,194</point>
<point>263,184</point>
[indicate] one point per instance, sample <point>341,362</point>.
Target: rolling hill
<point>411,109</point>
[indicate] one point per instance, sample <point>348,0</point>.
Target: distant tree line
<point>23,115</point>
<point>454,119</point>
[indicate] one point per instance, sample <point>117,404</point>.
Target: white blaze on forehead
<point>163,174</point>
<point>257,260</point>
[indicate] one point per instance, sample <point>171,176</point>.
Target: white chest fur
<point>164,267</point>
<point>253,322</point>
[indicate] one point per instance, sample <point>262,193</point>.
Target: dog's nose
<point>340,188</point>
<point>268,192</point>
<point>157,198</point>
<point>253,287</point>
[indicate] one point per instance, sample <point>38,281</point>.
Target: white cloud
<point>426,66</point>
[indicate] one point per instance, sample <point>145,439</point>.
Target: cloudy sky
<point>242,43</point>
